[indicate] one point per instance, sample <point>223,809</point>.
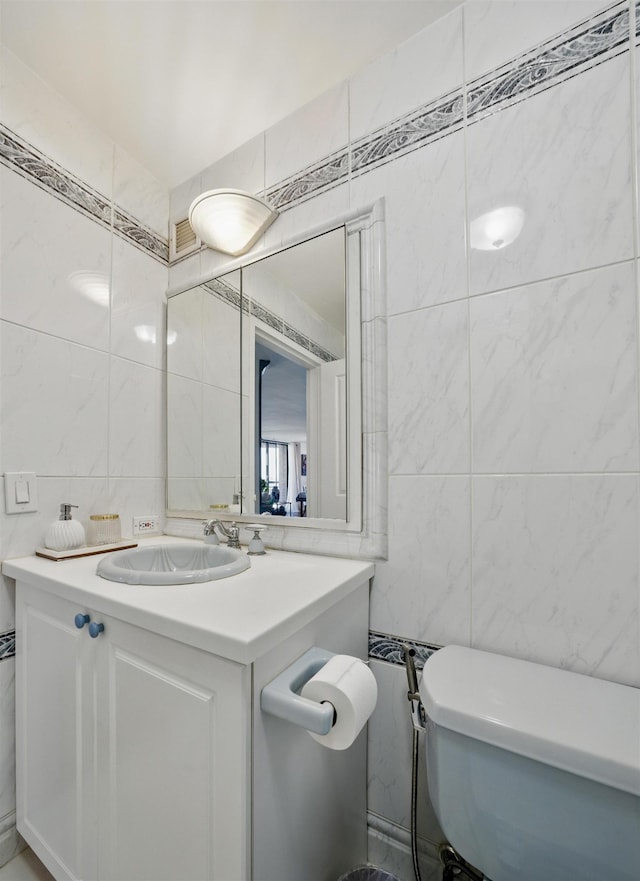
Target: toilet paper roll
<point>348,684</point>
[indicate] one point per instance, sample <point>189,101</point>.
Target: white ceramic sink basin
<point>172,564</point>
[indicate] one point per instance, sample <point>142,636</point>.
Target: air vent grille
<point>183,240</point>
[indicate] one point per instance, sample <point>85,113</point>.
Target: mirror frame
<point>364,535</point>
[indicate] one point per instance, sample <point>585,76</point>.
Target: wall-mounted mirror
<point>295,336</point>
<point>274,391</point>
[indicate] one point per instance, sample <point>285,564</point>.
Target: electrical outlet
<point>143,525</point>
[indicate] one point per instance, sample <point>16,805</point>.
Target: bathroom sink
<point>172,564</point>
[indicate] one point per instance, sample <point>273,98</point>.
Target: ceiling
<point>180,83</point>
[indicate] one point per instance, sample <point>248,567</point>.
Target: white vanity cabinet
<point>142,751</point>
<point>125,739</point>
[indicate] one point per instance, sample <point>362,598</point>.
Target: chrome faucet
<point>231,532</point>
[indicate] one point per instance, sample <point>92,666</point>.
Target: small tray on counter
<point>84,552</point>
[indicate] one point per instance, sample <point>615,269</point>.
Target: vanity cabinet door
<point>173,780</point>
<point>133,750</point>
<point>55,734</point>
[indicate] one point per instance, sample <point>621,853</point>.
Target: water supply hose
<point>414,699</point>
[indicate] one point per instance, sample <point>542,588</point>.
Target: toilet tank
<point>534,772</point>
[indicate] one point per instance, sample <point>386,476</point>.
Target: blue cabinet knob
<point>95,629</point>
<point>80,620</point>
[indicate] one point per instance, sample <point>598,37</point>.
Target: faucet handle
<point>256,545</point>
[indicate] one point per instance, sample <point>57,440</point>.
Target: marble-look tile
<point>64,290</point>
<point>429,390</point>
<point>184,427</point>
<point>242,169</point>
<point>555,571</point>
<point>48,382</point>
<point>220,432</point>
<point>496,31</point>
<point>22,533</point>
<point>139,193</point>
<point>424,223</point>
<point>562,158</point>
<point>392,855</point>
<point>138,305</point>
<point>184,333</point>
<point>316,130</point>
<point>306,217</point>
<point>7,737</point>
<point>424,67</point>
<point>221,347</point>
<point>554,382</point>
<point>389,755</point>
<point>181,197</point>
<point>43,117</point>
<point>423,590</point>
<point>185,272</point>
<point>136,497</point>
<point>136,420</point>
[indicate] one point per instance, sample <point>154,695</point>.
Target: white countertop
<point>239,618</point>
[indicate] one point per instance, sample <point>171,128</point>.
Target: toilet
<point>533,772</point>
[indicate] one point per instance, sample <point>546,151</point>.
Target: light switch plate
<point>20,492</point>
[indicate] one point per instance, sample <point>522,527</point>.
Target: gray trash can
<point>368,873</point>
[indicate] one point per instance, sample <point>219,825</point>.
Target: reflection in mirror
<point>294,333</point>
<point>260,309</point>
<point>204,395</point>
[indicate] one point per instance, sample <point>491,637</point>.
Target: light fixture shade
<point>230,220</point>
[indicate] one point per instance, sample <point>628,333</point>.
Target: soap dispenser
<point>65,534</point>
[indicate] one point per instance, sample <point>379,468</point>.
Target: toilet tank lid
<point>580,724</point>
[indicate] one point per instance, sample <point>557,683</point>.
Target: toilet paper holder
<point>280,698</point>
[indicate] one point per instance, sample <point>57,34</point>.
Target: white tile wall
<point>513,413</point>
<point>512,373</point>
<point>563,157</point>
<point>429,390</point>
<point>555,575</point>
<point>423,68</point>
<point>497,31</point>
<point>82,349</point>
<point>554,375</point>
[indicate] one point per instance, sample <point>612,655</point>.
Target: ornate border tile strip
<point>232,297</point>
<point>584,45</point>
<point>7,645</point>
<point>316,179</point>
<point>428,124</point>
<point>600,38</point>
<point>23,158</point>
<point>389,648</point>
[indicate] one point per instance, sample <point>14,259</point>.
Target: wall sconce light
<point>230,220</point>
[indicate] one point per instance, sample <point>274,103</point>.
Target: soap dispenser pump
<point>65,534</point>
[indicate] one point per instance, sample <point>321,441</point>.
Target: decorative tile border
<point>430,123</point>
<point>581,47</point>
<point>315,179</point>
<point>23,158</point>
<point>232,297</point>
<point>7,645</point>
<point>389,648</point>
